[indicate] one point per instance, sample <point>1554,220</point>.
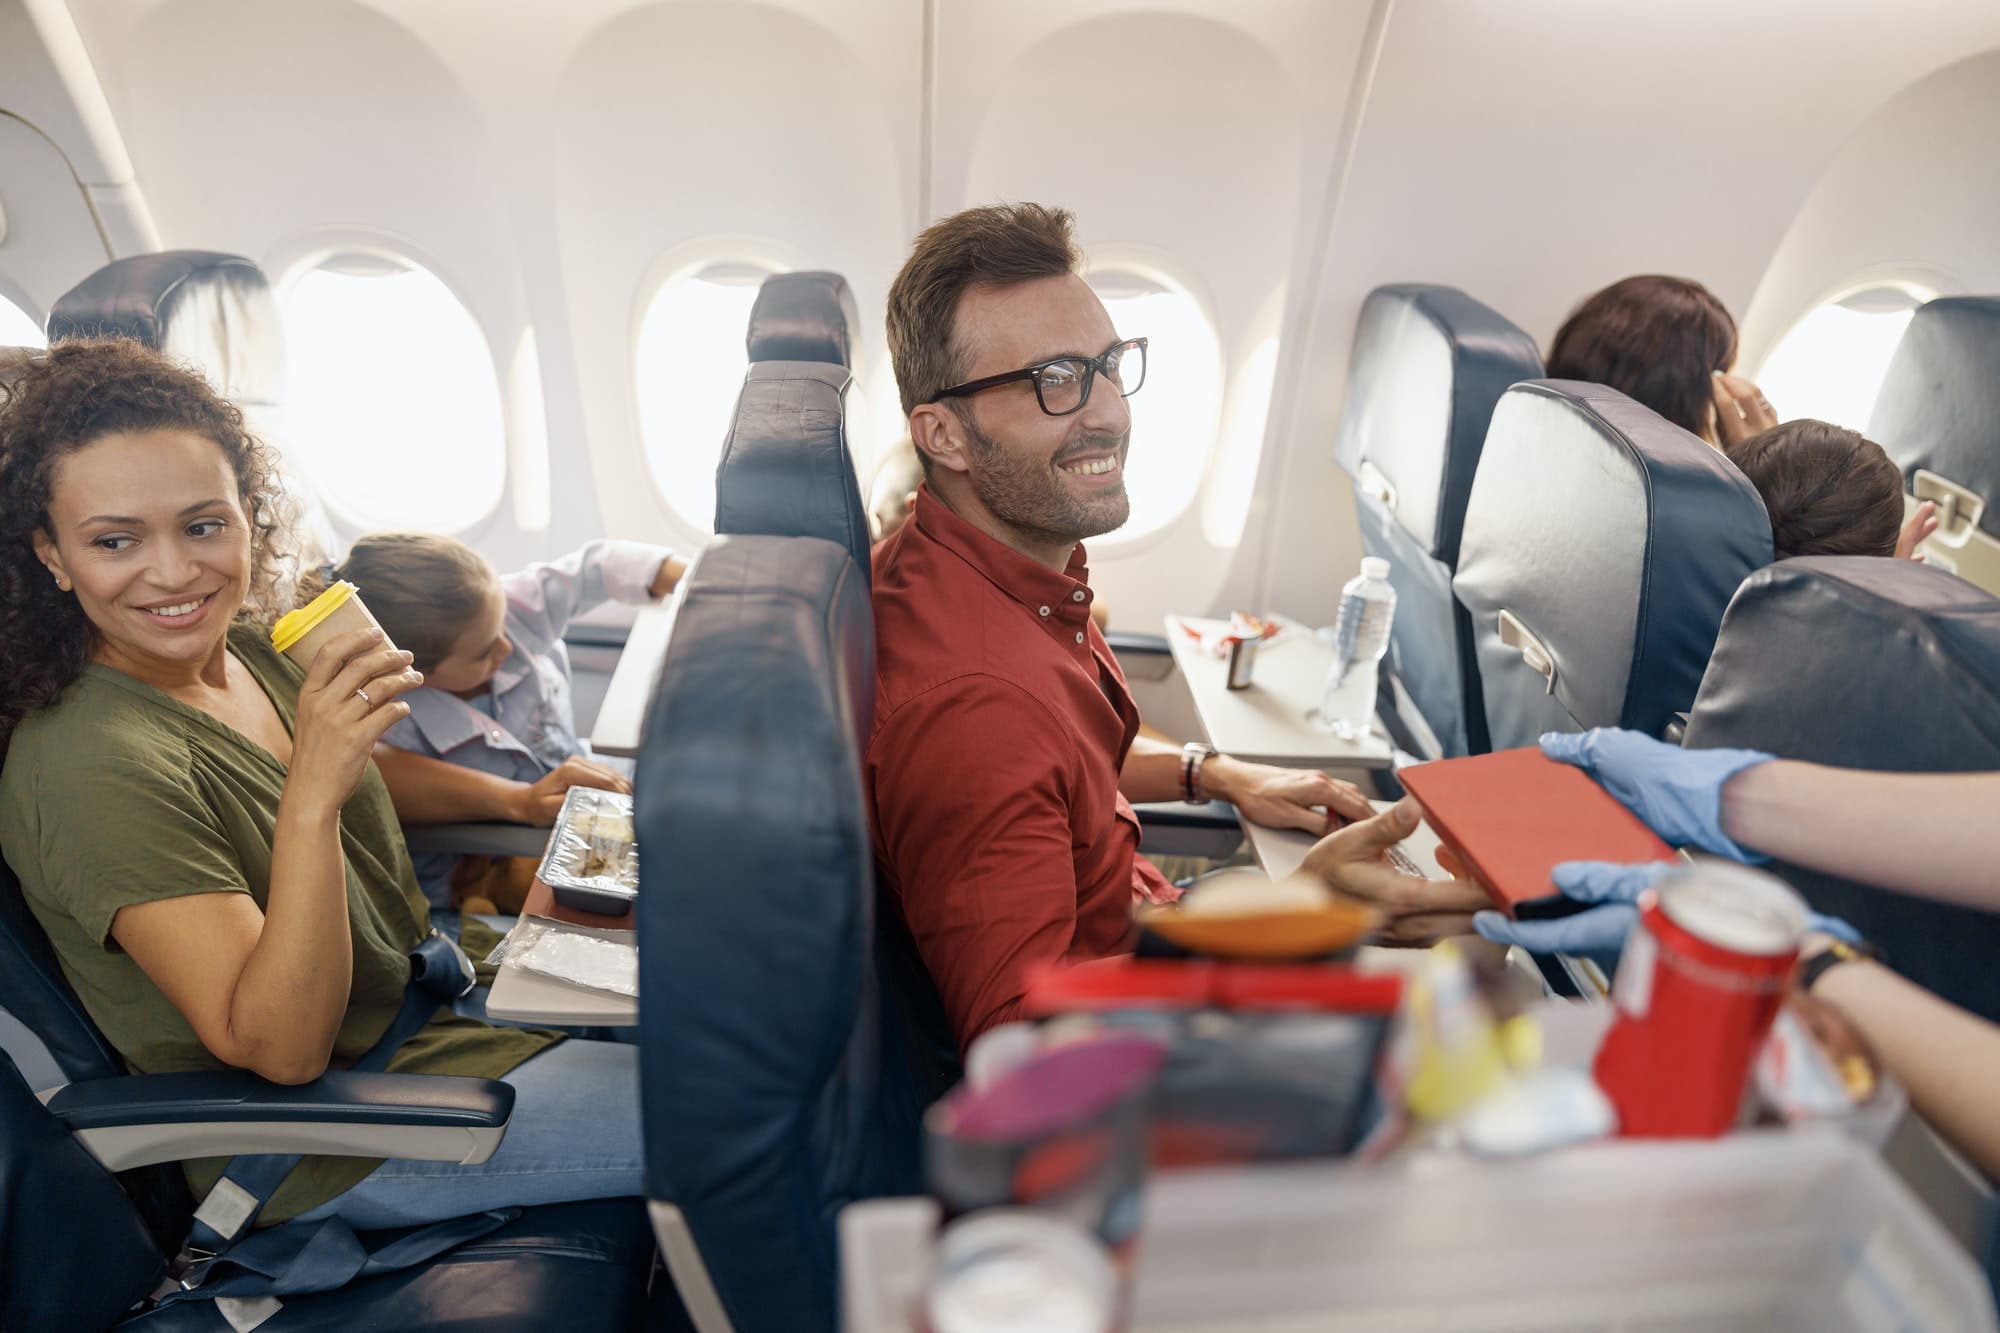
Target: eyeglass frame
<point>1093,367</point>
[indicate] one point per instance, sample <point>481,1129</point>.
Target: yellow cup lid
<point>295,625</point>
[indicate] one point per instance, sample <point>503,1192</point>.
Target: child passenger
<point>1829,491</point>
<point>496,693</point>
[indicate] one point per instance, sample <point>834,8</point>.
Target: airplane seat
<point>217,313</point>
<point>1871,664</point>
<point>1938,416</point>
<point>787,467</point>
<point>1429,364</point>
<point>805,317</point>
<point>1601,545</point>
<point>777,1084</point>
<point>81,1245</point>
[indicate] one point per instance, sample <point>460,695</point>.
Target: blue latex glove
<point>1676,792</point>
<point>1599,933</point>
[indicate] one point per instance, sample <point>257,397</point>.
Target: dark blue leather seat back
<point>786,469</point>
<point>1428,365</point>
<point>1939,408</point>
<point>142,296</point>
<point>804,317</point>
<point>758,994</point>
<point>33,990</point>
<point>1872,664</point>
<point>73,1251</point>
<point>1601,546</point>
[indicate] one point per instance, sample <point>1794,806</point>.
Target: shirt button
<point>1044,611</point>
<point>1079,636</point>
<point>1076,596</point>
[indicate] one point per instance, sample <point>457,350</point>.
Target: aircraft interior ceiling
<point>1269,161</point>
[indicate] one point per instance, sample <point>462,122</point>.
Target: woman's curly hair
<point>58,402</point>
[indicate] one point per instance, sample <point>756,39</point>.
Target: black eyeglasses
<point>1062,386</point>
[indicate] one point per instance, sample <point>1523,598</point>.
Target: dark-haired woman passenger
<point>197,824</point>
<point>1669,344</point>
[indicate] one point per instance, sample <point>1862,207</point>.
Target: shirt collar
<point>1053,596</point>
<point>446,722</point>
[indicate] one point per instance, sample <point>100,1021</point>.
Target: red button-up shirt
<point>1001,723</point>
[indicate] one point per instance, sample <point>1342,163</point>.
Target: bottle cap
<point>1374,567</point>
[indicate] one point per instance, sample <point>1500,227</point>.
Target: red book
<point>1513,816</point>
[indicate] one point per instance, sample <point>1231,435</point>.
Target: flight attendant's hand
<point>539,802</point>
<point>1284,797</point>
<point>1353,862</point>
<point>1741,409</point>
<point>1921,524</point>
<point>348,700</point>
<point>1677,793</point>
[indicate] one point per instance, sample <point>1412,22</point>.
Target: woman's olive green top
<point>119,794</point>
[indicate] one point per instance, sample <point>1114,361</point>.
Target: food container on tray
<point>592,864</point>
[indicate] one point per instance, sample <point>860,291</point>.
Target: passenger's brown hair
<point>1829,491</point>
<point>422,589</point>
<point>63,400</point>
<point>1655,339</point>
<point>992,246</point>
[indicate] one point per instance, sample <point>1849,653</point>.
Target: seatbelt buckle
<point>440,967</point>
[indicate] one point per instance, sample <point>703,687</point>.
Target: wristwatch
<point>1193,755</point>
<point>1833,955</point>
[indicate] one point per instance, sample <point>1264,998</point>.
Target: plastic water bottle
<point>1360,637</point>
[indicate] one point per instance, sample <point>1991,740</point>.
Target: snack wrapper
<point>1242,627</point>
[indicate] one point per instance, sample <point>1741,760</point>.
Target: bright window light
<point>1176,414</point>
<point>688,367</point>
<point>1831,364</point>
<point>18,328</point>
<point>394,406</point>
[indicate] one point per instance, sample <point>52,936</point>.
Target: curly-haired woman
<point>197,825</point>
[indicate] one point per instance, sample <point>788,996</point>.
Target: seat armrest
<point>1126,643</point>
<point>483,839</point>
<point>1179,814</point>
<point>1174,828</point>
<point>145,1118</point>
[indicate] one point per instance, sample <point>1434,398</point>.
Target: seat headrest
<point>1428,365</point>
<point>756,918</point>
<point>786,470</point>
<point>804,317</point>
<point>1877,664</point>
<point>1939,408</point>
<point>213,310</point>
<point>1613,540</point>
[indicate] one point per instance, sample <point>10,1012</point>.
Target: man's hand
<point>1923,521</point>
<point>1741,409</point>
<point>1353,863</point>
<point>1283,797</point>
<point>540,801</point>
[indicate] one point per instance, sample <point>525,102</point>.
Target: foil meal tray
<point>592,862</point>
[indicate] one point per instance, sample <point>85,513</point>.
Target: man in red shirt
<point>1005,752</point>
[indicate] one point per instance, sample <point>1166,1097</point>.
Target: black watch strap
<point>1832,956</point>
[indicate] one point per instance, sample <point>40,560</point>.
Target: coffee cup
<point>339,610</point>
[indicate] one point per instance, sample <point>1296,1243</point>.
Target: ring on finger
<point>363,696</point>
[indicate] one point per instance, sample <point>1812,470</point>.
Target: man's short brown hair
<point>993,246</point>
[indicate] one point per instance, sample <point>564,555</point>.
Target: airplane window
<point>1175,416</point>
<point>18,328</point>
<point>1831,363</point>
<point>688,366</point>
<point>394,408</point>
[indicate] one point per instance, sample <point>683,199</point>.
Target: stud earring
<point>62,583</point>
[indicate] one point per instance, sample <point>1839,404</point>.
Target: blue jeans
<point>574,1135</point>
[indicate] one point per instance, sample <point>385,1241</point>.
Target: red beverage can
<point>1701,979</point>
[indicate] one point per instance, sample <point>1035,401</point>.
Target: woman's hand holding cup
<point>349,699</point>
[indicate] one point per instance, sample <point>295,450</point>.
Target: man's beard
<point>1031,496</point>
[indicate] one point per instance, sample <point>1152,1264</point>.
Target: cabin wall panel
<point>1914,191</point>
<point>50,242</point>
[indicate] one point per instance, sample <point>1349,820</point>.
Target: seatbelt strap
<point>439,973</point>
